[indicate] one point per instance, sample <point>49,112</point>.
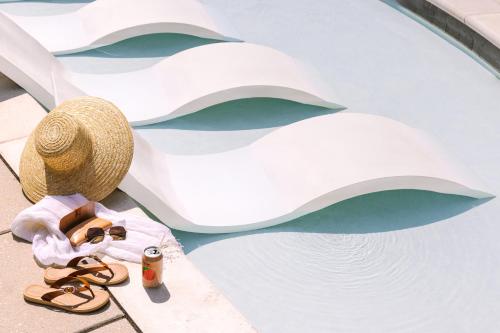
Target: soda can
<point>152,267</point>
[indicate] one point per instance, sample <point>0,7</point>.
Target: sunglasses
<point>96,235</point>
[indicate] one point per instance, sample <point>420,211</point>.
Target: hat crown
<point>62,141</point>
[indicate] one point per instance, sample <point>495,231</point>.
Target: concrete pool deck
<point>19,269</point>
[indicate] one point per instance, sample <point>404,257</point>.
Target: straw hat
<point>83,146</point>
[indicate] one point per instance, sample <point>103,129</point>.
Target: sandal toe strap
<point>49,296</point>
<point>74,263</point>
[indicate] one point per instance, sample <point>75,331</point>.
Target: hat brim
<point>104,167</point>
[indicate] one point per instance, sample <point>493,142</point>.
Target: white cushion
<point>460,9</point>
<point>488,25</point>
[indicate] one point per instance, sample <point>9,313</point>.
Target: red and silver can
<point>152,267</point>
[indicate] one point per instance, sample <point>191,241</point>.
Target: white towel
<point>40,224</point>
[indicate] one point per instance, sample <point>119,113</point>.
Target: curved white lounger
<point>291,172</point>
<point>204,76</point>
<point>104,22</point>
<point>178,85</point>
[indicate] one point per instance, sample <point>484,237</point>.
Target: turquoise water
<point>399,261</point>
<point>132,54</point>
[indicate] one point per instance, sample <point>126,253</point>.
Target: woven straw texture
<point>83,146</point>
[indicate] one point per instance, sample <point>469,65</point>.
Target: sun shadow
<point>146,46</point>
<point>243,114</point>
<point>372,213</point>
<point>159,294</point>
<point>119,201</point>
<point>131,54</point>
<point>10,92</point>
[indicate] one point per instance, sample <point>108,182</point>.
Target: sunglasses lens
<point>95,235</point>
<point>97,239</point>
<point>118,233</point>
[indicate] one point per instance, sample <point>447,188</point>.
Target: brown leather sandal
<point>80,299</point>
<point>99,273</point>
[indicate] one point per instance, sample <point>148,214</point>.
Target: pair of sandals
<point>62,292</point>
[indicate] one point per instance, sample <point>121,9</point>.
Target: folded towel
<point>39,224</point>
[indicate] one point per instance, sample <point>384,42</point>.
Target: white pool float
<point>178,85</point>
<point>104,22</point>
<point>290,172</point>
